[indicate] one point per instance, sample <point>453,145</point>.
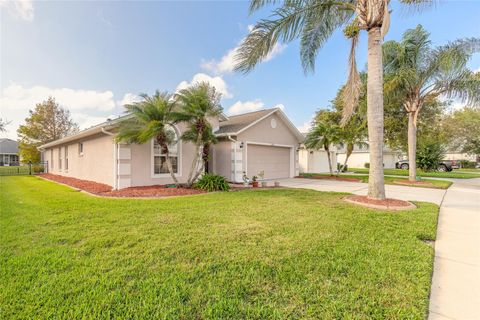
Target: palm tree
<point>197,103</point>
<point>416,73</point>
<point>323,134</point>
<point>151,118</point>
<point>313,22</point>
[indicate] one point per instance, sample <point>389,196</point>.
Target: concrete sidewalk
<point>397,192</point>
<point>455,292</point>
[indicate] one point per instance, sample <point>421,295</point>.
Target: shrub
<point>367,165</point>
<point>339,166</point>
<point>212,182</point>
<point>429,155</point>
<point>467,164</point>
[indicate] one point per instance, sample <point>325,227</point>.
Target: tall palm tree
<point>151,118</point>
<point>313,22</point>
<point>323,134</point>
<point>416,73</point>
<point>197,103</point>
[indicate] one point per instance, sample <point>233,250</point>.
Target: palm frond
<point>351,93</point>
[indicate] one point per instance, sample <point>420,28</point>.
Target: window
<point>80,148</point>
<point>51,159</point>
<point>60,158</point>
<point>159,158</point>
<point>66,157</point>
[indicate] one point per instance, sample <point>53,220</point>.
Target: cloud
<point>216,82</point>
<point>20,9</point>
<point>306,126</point>
<point>128,98</point>
<point>85,121</point>
<point>240,107</point>
<point>16,100</point>
<point>227,63</point>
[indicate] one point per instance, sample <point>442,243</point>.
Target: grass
<point>19,170</point>
<point>437,184</point>
<point>266,254</point>
<point>399,172</point>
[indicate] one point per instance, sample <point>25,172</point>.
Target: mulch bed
<point>106,190</point>
<point>389,204</point>
<point>414,183</point>
<point>331,178</point>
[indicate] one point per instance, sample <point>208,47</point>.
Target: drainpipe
<point>234,157</point>
<point>115,161</point>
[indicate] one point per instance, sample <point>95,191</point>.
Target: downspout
<point>115,162</point>
<point>234,157</point>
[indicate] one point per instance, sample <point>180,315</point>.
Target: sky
<point>95,56</point>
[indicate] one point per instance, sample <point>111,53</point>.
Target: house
<point>262,141</point>
<point>458,155</point>
<point>9,152</point>
<point>316,161</point>
<point>361,155</point>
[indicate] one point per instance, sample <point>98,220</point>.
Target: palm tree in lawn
<point>323,134</point>
<point>313,22</point>
<point>198,102</point>
<point>416,73</point>
<point>151,118</point>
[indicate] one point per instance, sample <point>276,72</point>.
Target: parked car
<point>443,166</point>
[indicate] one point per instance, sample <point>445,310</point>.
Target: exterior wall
<point>358,160</point>
<point>263,133</point>
<point>96,163</point>
<point>316,161</point>
<point>222,159</point>
<point>460,156</point>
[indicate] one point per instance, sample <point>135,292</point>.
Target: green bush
<point>429,155</point>
<point>467,164</point>
<point>212,182</point>
<point>339,166</point>
<point>367,165</point>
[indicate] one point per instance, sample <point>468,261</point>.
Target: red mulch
<point>106,190</point>
<point>331,178</point>
<point>414,183</point>
<point>386,203</point>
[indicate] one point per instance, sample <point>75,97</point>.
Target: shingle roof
<point>8,146</point>
<point>237,123</point>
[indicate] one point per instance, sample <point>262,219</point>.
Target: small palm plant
<point>151,118</point>
<point>416,73</point>
<point>197,104</point>
<point>323,134</point>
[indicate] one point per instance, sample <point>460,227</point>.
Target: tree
<point>197,104</point>
<point>464,128</point>
<point>417,73</point>
<point>151,118</point>
<point>324,133</point>
<point>313,22</point>
<point>3,125</point>
<point>46,123</point>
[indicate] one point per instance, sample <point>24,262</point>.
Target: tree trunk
<point>347,155</point>
<point>169,163</point>
<point>376,183</point>
<point>194,166</point>
<point>329,160</point>
<point>412,146</point>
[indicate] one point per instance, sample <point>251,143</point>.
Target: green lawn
<point>276,254</point>
<point>19,170</point>
<point>437,184</point>
<point>399,172</point>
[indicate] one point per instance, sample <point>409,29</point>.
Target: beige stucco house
<point>265,141</point>
<point>361,155</point>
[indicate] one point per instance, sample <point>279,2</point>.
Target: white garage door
<point>274,161</point>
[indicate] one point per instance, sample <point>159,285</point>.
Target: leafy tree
<point>463,126</point>
<point>324,133</point>
<point>417,73</point>
<point>46,123</point>
<point>3,125</point>
<point>197,104</point>
<point>152,118</point>
<point>313,22</point>
<point>429,155</point>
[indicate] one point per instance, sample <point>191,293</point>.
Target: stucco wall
<point>222,159</point>
<point>96,163</point>
<point>358,160</point>
<point>460,156</point>
<point>316,161</point>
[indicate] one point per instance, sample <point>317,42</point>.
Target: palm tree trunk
<point>194,166</point>
<point>412,147</point>
<point>329,160</point>
<point>168,162</point>
<point>349,150</point>
<point>376,183</point>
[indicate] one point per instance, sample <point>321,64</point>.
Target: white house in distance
<point>262,141</point>
<point>316,161</point>
<point>361,155</point>
<point>9,152</point>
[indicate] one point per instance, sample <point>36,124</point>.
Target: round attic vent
<point>273,123</point>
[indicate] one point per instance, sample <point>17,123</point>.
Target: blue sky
<point>93,56</point>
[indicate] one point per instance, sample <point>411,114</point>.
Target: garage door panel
<point>274,161</point>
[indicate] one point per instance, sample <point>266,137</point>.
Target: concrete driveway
<point>397,192</point>
<point>455,291</point>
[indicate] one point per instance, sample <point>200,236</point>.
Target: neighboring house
<point>265,141</point>
<point>9,152</point>
<point>316,161</point>
<point>361,155</point>
<point>457,155</point>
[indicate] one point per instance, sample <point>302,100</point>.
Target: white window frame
<point>80,149</point>
<point>179,158</point>
<point>60,167</point>
<point>52,157</point>
<point>65,150</point>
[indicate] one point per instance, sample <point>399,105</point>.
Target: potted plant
<point>254,182</point>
